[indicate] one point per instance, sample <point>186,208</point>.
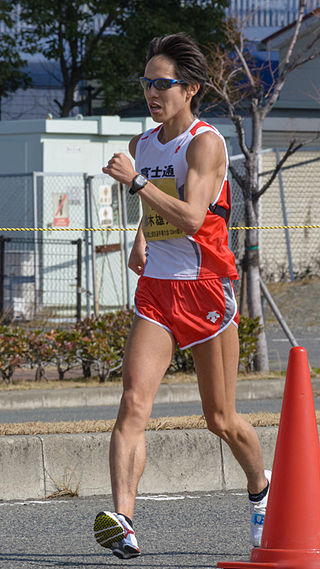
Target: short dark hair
<point>189,62</point>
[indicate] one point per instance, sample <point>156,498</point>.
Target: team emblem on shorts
<point>213,316</point>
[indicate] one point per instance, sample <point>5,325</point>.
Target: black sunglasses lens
<point>162,84</point>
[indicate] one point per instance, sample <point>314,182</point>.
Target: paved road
<point>110,412</point>
<point>279,348</point>
<point>182,531</point>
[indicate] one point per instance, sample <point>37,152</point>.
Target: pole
<point>126,248</point>
<point>278,314</point>
<point>37,237</point>
<point>122,256</point>
<point>93,251</point>
<point>86,237</point>
<point>285,219</point>
<point>3,241</point>
<point>78,242</point>
<point>2,246</point>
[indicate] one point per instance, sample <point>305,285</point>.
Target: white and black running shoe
<point>114,532</point>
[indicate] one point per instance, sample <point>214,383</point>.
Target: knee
<point>221,425</point>
<point>134,408</point>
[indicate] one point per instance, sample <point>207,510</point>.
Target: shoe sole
<point>127,553</point>
<point>107,530</point>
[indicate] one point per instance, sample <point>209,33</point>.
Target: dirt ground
<point>298,302</point>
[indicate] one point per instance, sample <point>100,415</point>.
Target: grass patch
<point>160,424</point>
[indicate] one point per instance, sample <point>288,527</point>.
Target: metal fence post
<point>3,241</point>
<point>122,255</point>
<point>126,248</point>
<point>86,237</point>
<point>93,252</point>
<point>285,219</point>
<point>36,222</point>
<point>78,243</point>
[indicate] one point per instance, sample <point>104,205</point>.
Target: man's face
<point>168,104</point>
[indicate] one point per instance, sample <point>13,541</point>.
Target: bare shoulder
<point>207,147</point>
<point>133,144</point>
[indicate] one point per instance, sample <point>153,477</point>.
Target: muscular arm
<point>206,168</point>
<point>137,257</point>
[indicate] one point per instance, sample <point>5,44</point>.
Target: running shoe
<point>114,532</point>
<point>258,510</point>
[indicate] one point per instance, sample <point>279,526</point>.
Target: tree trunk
<point>251,265</point>
<point>261,361</point>
<point>251,260</point>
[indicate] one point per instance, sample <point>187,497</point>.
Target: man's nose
<point>153,91</point>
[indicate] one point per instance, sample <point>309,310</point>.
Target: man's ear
<point>193,89</point>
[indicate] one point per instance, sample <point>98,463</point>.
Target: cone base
<point>276,558</point>
<point>246,564</point>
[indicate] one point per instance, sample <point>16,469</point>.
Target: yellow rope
<point>135,228</point>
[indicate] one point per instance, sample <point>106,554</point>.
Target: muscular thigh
<point>216,363</point>
<point>148,354</point>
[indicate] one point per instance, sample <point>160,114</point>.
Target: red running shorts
<point>193,311</point>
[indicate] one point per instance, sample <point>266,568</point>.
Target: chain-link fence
<point>40,280</point>
<point>291,200</point>
<point>57,275</point>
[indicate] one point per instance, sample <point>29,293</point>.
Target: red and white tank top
<point>171,254</point>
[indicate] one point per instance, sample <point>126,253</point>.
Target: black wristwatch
<point>138,183</point>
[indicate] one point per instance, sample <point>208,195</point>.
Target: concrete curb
<point>110,395</point>
<point>33,467</point>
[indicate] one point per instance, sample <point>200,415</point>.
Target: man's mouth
<point>154,107</point>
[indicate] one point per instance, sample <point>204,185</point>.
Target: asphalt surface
<point>174,531</point>
<point>279,348</point>
<point>110,411</point>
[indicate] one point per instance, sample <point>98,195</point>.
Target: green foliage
<point>101,342</point>
<point>105,42</point>
<point>37,354</point>
<point>12,351</point>
<point>97,344</point>
<point>61,346</point>
<point>182,361</point>
<point>12,76</point>
<point>249,329</point>
<point>124,53</point>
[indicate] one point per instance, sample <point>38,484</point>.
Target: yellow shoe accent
<point>107,529</point>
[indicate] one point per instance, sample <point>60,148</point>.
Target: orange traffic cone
<point>291,532</point>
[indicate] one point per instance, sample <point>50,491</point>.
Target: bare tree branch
<point>292,148</point>
<point>285,68</point>
<point>238,178</point>
<point>294,38</point>
<point>245,67</point>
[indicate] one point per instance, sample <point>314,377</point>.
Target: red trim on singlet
<point>199,125</point>
<point>154,130</point>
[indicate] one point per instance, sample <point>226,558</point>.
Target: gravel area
<point>298,303</point>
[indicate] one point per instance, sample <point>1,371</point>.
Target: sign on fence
<point>61,210</point>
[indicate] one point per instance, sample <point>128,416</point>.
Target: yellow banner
<point>154,226</point>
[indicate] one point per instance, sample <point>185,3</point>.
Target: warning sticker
<point>61,210</point>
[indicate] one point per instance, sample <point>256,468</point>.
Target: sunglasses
<point>160,84</point>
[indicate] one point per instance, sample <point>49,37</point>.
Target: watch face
<point>140,181</point>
